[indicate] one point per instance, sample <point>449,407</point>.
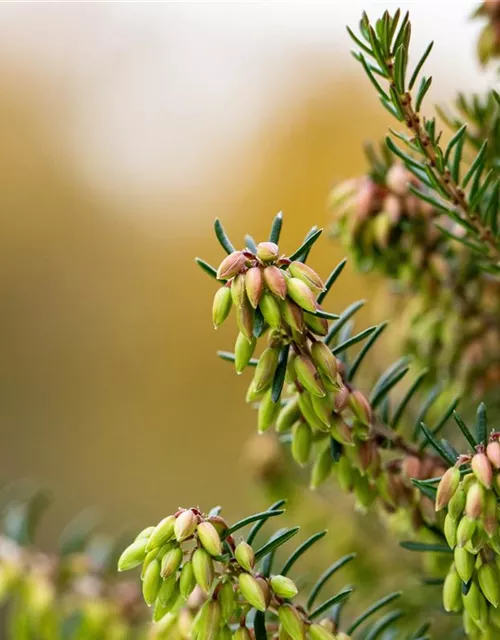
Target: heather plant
<point>426,218</point>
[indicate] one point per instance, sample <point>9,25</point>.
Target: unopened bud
<point>447,487</point>
<point>209,538</point>
<point>342,399</point>
<point>474,603</point>
<point>254,285</point>
<point>301,443</point>
<point>219,523</point>
<point>301,294</point>
<point>325,361</point>
<point>475,501</point>
<point>288,415</point>
<point>308,412</point>
<point>284,587</point>
<point>266,368</point>
<point>293,315</point>
<point>307,275</point>
<point>238,293</point>
<point>187,580</point>
<point>464,563</point>
<point>268,411</point>
<point>245,556</point>
<point>490,516</point>
<point>452,591</point>
<point>267,251</point>
<point>360,407</point>
<point>227,601</point>
<point>221,306</point>
<point>291,621</point>
<point>345,474</point>
<point>133,555</point>
<point>489,581</point>
<point>185,525</point>
<point>171,561</point>
<point>275,281</point>
<point>209,622</point>
<point>167,589</point>
<point>242,633</point>
<point>450,531</point>
<point>340,431</point>
<point>270,309</point>
<point>457,503</point>
<point>145,533</point>
<point>151,583</point>
<point>308,376</point>
<point>251,591</point>
<point>411,467</point>
<point>322,468</point>
<point>482,469</point>
<point>163,532</point>
<point>203,568</point>
<point>465,530</point>
<point>245,318</point>
<point>243,352</point>
<point>231,265</point>
<point>493,453</point>
<point>264,585</point>
<point>317,632</point>
<point>323,409</point>
<point>317,325</point>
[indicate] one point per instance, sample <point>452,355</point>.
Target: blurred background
<point>125,129</point>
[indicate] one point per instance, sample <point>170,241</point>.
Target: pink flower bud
<point>267,251</point>
<point>275,281</point>
<point>254,284</point>
<point>482,469</point>
<point>231,265</point>
<point>447,487</point>
<point>493,453</point>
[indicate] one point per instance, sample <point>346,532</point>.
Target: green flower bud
<point>363,490</point>
<point>270,309</point>
<point>227,601</point>
<point>360,407</point>
<point>322,468</point>
<point>243,352</point>
<point>457,503</point>
<point>151,583</point>
<point>489,581</point>
<point>322,407</point>
<point>245,318</point>
<point>288,415</point>
<point>300,293</point>
<point>283,587</point>
<point>254,285</point>
<point>341,432</point>
<point>203,568</point>
<point>133,555</point>
<point>481,467</point>
<point>325,361</point>
<point>162,533</point>
<point>145,533</point>
<point>266,368</point>
<point>209,622</point>
<point>242,633</point>
<point>307,275</point>
<point>275,281</point>
<point>221,306</point>
<point>225,633</point>
<point>219,523</point>
<point>301,443</point>
<point>452,591</point>
<point>490,517</point>
<point>245,556</point>
<point>151,555</point>
<point>187,581</point>
<point>345,474</point>
<point>238,293</point>
<point>317,325</point>
<point>171,561</point>
<point>185,525</point>
<point>252,395</point>
<point>268,412</point>
<point>267,251</point>
<point>450,531</point>
<point>309,376</point>
<point>231,265</point>
<point>447,487</point>
<point>317,632</point>
<point>464,563</point>
<point>465,530</point>
<point>475,604</point>
<point>308,412</point>
<point>209,538</point>
<point>251,591</point>
<point>474,502</point>
<point>167,589</point>
<point>293,315</point>
<point>291,621</point>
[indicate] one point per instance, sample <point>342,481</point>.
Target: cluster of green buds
<point>488,45</point>
<point>471,529</point>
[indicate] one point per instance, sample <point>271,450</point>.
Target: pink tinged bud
<point>447,487</point>
<point>291,621</point>
<point>318,326</point>
<point>245,317</point>
<point>185,525</point>
<point>171,561</point>
<point>275,281</point>
<point>245,556</point>
<point>341,432</point>
<point>474,502</point>
<point>493,453</point>
<point>283,587</point>
<point>265,369</point>
<point>209,538</point>
<point>254,285</point>
<point>238,292</point>
<point>265,590</point>
<point>360,407</point>
<point>203,569</point>
<point>267,251</point>
<point>309,376</point>
<point>243,352</point>
<point>464,563</point>
<point>270,310</point>
<point>221,306</point>
<point>251,590</point>
<point>300,293</point>
<point>411,467</point>
<point>219,523</point>
<point>307,275</point>
<point>342,399</point>
<point>324,359</point>
<point>293,315</point>
<point>231,265</point>
<point>482,469</point>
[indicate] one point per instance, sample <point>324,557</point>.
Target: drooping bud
<point>245,556</point>
<point>301,443</point>
<point>254,285</point>
<point>482,469</point>
<point>452,591</point>
<point>288,415</point>
<point>317,325</point>
<point>450,531</point>
<point>291,621</point>
<point>264,586</point>
<point>493,453</point>
<point>293,315</point>
<point>231,265</point>
<point>227,601</point>
<point>322,468</point>
<point>133,555</point>
<point>145,533</point>
<point>171,561</point>
<point>209,621</point>
<point>242,633</point>
<point>151,583</point>
<point>464,563</point>
<point>243,352</point>
<point>307,275</point>
<point>245,318</point>
<point>163,532</point>
<point>275,281</point>
<point>300,293</point>
<point>167,589</point>
<point>209,538</point>
<point>360,407</point>
<point>308,412</point>
<point>342,399</point>
<point>447,487</point>
<point>265,369</point>
<point>465,530</point>
<point>187,580</point>
<point>490,517</point>
<point>474,603</point>
<point>323,409</point>
<point>221,306</point>
<point>152,555</point>
<point>345,474</point>
<point>340,431</point>
<point>251,591</point>
<point>238,293</point>
<point>203,569</point>
<point>219,523</point>
<point>270,309</point>
<point>267,251</point>
<point>284,587</point>
<point>185,525</point>
<point>475,501</point>
<point>268,411</point>
<point>411,467</point>
<point>457,503</point>
<point>317,632</point>
<point>325,361</point>
<point>489,581</point>
<point>309,376</point>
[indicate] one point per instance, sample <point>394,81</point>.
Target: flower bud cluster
<point>488,45</point>
<point>472,584</point>
<point>202,584</point>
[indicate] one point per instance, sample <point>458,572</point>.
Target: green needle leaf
<point>222,237</point>
<point>331,279</point>
<point>256,517</point>
<point>464,429</point>
<point>406,398</point>
<point>261,522</point>
<point>276,542</point>
<point>323,579</point>
<point>306,245</point>
<point>361,355</point>
<point>344,317</point>
<point>481,424</point>
<point>259,625</point>
<point>419,66</point>
<point>411,545</point>
<point>274,236</point>
<point>207,268</point>
<point>279,376</point>
<point>354,340</point>
<point>336,599</point>
<point>437,446</point>
<point>373,609</point>
<point>382,624</point>
<point>228,356</point>
<point>300,551</point>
